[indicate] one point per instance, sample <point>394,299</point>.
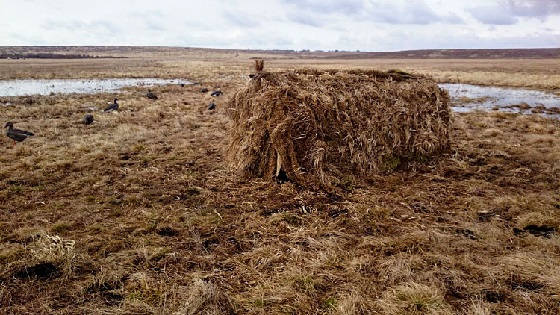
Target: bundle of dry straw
<point>316,127</point>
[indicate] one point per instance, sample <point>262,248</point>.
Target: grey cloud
<point>533,8</point>
<point>306,19</point>
<point>240,19</point>
<point>447,40</point>
<point>508,12</point>
<point>25,39</point>
<point>453,19</point>
<point>313,12</point>
<point>349,7</point>
<point>152,19</point>
<point>493,15</point>
<point>72,25</point>
<point>419,13</point>
<point>316,12</point>
<point>154,26</point>
<point>250,39</point>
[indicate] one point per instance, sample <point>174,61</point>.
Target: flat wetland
<point>138,213</point>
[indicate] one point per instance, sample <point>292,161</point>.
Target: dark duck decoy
<point>88,119</point>
<point>216,93</point>
<point>17,134</point>
<point>212,106</point>
<point>151,95</point>
<point>111,107</point>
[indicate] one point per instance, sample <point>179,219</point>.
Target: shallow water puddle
<point>467,98</point>
<point>83,86</point>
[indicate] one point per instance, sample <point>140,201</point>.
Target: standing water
<point>467,98</point>
<point>84,86</point>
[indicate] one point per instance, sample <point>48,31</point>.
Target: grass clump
<point>414,298</point>
<point>206,298</point>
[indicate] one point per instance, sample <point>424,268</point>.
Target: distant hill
<point>120,51</point>
<point>455,53</point>
<point>49,56</point>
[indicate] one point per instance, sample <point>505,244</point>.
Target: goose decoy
<point>16,134</point>
<point>111,107</point>
<point>88,119</point>
<point>216,93</point>
<point>151,95</point>
<point>212,106</point>
<point>204,90</point>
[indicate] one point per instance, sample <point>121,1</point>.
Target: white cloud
<point>376,25</point>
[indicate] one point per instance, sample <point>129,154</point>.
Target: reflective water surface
<point>84,86</point>
<point>466,98</point>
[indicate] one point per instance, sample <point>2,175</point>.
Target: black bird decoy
<point>212,106</point>
<point>204,90</point>
<point>111,107</point>
<point>17,134</point>
<point>88,119</point>
<point>151,95</point>
<point>216,93</point>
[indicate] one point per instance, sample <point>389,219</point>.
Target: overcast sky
<point>367,25</point>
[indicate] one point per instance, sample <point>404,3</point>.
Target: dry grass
<point>199,64</point>
<point>284,124</point>
<point>138,213</point>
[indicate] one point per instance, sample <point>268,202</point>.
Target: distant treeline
<point>51,56</point>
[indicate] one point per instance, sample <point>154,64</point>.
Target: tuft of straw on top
<point>259,65</point>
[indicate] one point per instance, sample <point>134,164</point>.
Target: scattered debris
<point>167,231</point>
<point>151,95</point>
<point>125,156</point>
<point>210,242</point>
<point>485,215</point>
<point>493,296</point>
<point>204,90</point>
<point>536,230</point>
<point>28,101</point>
<point>466,233</point>
<point>516,282</point>
<point>337,212</point>
<point>43,270</point>
<point>88,119</point>
<point>281,177</point>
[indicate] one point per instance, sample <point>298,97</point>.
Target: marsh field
<point>138,213</point>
